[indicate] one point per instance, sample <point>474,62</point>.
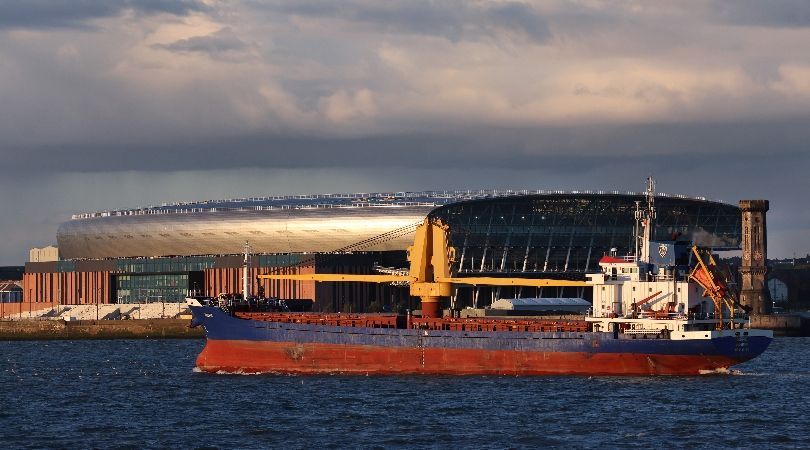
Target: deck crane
<point>430,275</point>
<point>637,305</point>
<point>716,284</point>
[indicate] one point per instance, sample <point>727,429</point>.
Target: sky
<point>118,104</point>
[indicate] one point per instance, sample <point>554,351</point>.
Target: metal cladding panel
<point>705,223</point>
<point>546,232</point>
<point>568,232</point>
<point>225,232</point>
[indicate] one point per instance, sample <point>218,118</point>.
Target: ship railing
<point>644,331</point>
<point>662,315</point>
<point>665,277</point>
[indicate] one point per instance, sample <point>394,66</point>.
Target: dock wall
<point>783,324</point>
<point>98,329</point>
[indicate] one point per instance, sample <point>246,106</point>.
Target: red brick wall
<point>229,281</point>
<point>46,288</point>
<point>43,290</point>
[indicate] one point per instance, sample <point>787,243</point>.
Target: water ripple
<point>146,394</point>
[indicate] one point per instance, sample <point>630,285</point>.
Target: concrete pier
<point>783,324</point>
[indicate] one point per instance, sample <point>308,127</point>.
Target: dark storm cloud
<point>771,13</point>
<point>75,13</point>
<point>521,17</point>
<point>453,20</point>
<point>673,147</point>
<point>224,40</point>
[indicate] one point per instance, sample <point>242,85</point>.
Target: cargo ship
<point>653,313</point>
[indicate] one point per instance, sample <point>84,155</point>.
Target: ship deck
<point>401,321</point>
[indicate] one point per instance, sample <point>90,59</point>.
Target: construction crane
<point>430,275</point>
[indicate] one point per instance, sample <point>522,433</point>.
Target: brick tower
<point>754,292</point>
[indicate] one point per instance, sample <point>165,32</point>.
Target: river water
<point>145,394</point>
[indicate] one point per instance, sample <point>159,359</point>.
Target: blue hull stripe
<point>221,326</point>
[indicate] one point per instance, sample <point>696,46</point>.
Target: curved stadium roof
<point>330,222</point>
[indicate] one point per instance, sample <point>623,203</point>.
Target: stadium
<point>163,253</point>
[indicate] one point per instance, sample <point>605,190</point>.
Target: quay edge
<point>789,324</point>
<point>20,330</point>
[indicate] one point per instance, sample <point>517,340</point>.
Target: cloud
<point>571,150</point>
<point>454,20</point>
<point>21,14</point>
<point>478,89</point>
<point>219,42</point>
<point>362,68</point>
<point>343,106</point>
<point>772,13</point>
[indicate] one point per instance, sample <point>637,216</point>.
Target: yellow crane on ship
<point>430,274</point>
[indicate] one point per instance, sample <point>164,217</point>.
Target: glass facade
<point>571,232</point>
<point>11,296</point>
<point>284,260</point>
<point>65,266</point>
<point>171,279</point>
<point>151,288</point>
<point>147,280</point>
<point>162,265</point>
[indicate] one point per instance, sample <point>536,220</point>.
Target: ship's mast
<point>646,219</point>
<point>636,233</point>
<point>245,266</point>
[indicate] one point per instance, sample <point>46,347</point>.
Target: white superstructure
<point>652,292</point>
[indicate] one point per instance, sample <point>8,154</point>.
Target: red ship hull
<point>238,356</point>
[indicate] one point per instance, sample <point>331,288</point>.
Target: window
<point>151,288</point>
